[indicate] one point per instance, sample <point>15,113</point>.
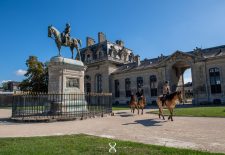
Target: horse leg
<point>171,114</point>
<point>78,53</point>
<point>138,110</point>
<point>161,111</point>
<point>59,48</point>
<point>142,111</point>
<point>71,49</point>
<point>159,114</point>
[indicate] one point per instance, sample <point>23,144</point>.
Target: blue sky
<point>149,27</point>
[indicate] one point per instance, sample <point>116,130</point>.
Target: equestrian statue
<point>64,39</point>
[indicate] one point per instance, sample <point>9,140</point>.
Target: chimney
<point>120,43</point>
<point>101,37</point>
<point>90,41</point>
<point>137,60</point>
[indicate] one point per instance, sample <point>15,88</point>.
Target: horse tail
<point>79,42</point>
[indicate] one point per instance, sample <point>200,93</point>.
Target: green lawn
<point>197,111</point>
<point>83,144</point>
<point>120,108</point>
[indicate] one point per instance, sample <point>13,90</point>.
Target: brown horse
<point>170,103</point>
<point>133,103</point>
<point>141,104</point>
<point>137,105</point>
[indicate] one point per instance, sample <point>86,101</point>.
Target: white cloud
<point>20,72</point>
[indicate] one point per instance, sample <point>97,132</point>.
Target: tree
<point>37,76</point>
<point>5,85</point>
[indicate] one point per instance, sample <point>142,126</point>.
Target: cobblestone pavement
<point>200,133</point>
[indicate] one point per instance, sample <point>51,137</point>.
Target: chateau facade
<point>111,67</point>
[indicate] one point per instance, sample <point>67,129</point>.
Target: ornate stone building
<point>111,67</point>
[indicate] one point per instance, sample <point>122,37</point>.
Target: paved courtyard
<point>185,132</point>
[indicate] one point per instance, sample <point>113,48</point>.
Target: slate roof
<point>146,63</point>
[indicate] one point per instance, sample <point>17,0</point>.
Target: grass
<point>197,111</point>
<point>120,107</point>
<point>84,144</point>
<point>5,107</point>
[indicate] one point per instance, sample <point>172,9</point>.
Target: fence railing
<point>60,106</point>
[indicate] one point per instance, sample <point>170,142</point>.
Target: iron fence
<point>60,106</point>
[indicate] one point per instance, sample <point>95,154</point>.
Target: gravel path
<point>200,133</point>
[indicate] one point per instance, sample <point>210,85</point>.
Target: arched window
<point>215,83</point>
<point>117,88</point>
<point>98,83</point>
<point>88,57</point>
<point>153,85</point>
<point>128,87</point>
<point>139,82</point>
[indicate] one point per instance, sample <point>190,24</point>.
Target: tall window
<point>88,87</point>
<point>117,88</point>
<point>139,82</point>
<point>87,81</point>
<point>153,85</point>
<point>99,83</point>
<point>128,87</point>
<point>215,83</point>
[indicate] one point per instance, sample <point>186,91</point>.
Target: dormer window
<point>88,57</point>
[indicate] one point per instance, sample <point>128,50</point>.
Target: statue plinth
<point>66,76</point>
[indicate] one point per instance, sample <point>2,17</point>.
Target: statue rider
<point>166,92</point>
<point>66,34</point>
<point>139,92</point>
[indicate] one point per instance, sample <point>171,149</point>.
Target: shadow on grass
<point>146,122</point>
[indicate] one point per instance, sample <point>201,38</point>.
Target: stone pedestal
<point>66,84</point>
<point>66,76</point>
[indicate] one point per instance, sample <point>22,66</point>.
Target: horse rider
<point>139,93</point>
<point>66,34</point>
<point>166,92</point>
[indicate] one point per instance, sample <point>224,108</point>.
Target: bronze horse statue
<point>58,37</point>
<point>170,103</point>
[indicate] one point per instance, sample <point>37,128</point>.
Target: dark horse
<point>137,104</point>
<point>170,103</point>
<point>73,42</point>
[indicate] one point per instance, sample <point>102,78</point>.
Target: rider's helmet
<point>166,82</point>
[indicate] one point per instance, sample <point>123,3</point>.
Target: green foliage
<point>5,85</point>
<point>84,145</point>
<point>37,76</point>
